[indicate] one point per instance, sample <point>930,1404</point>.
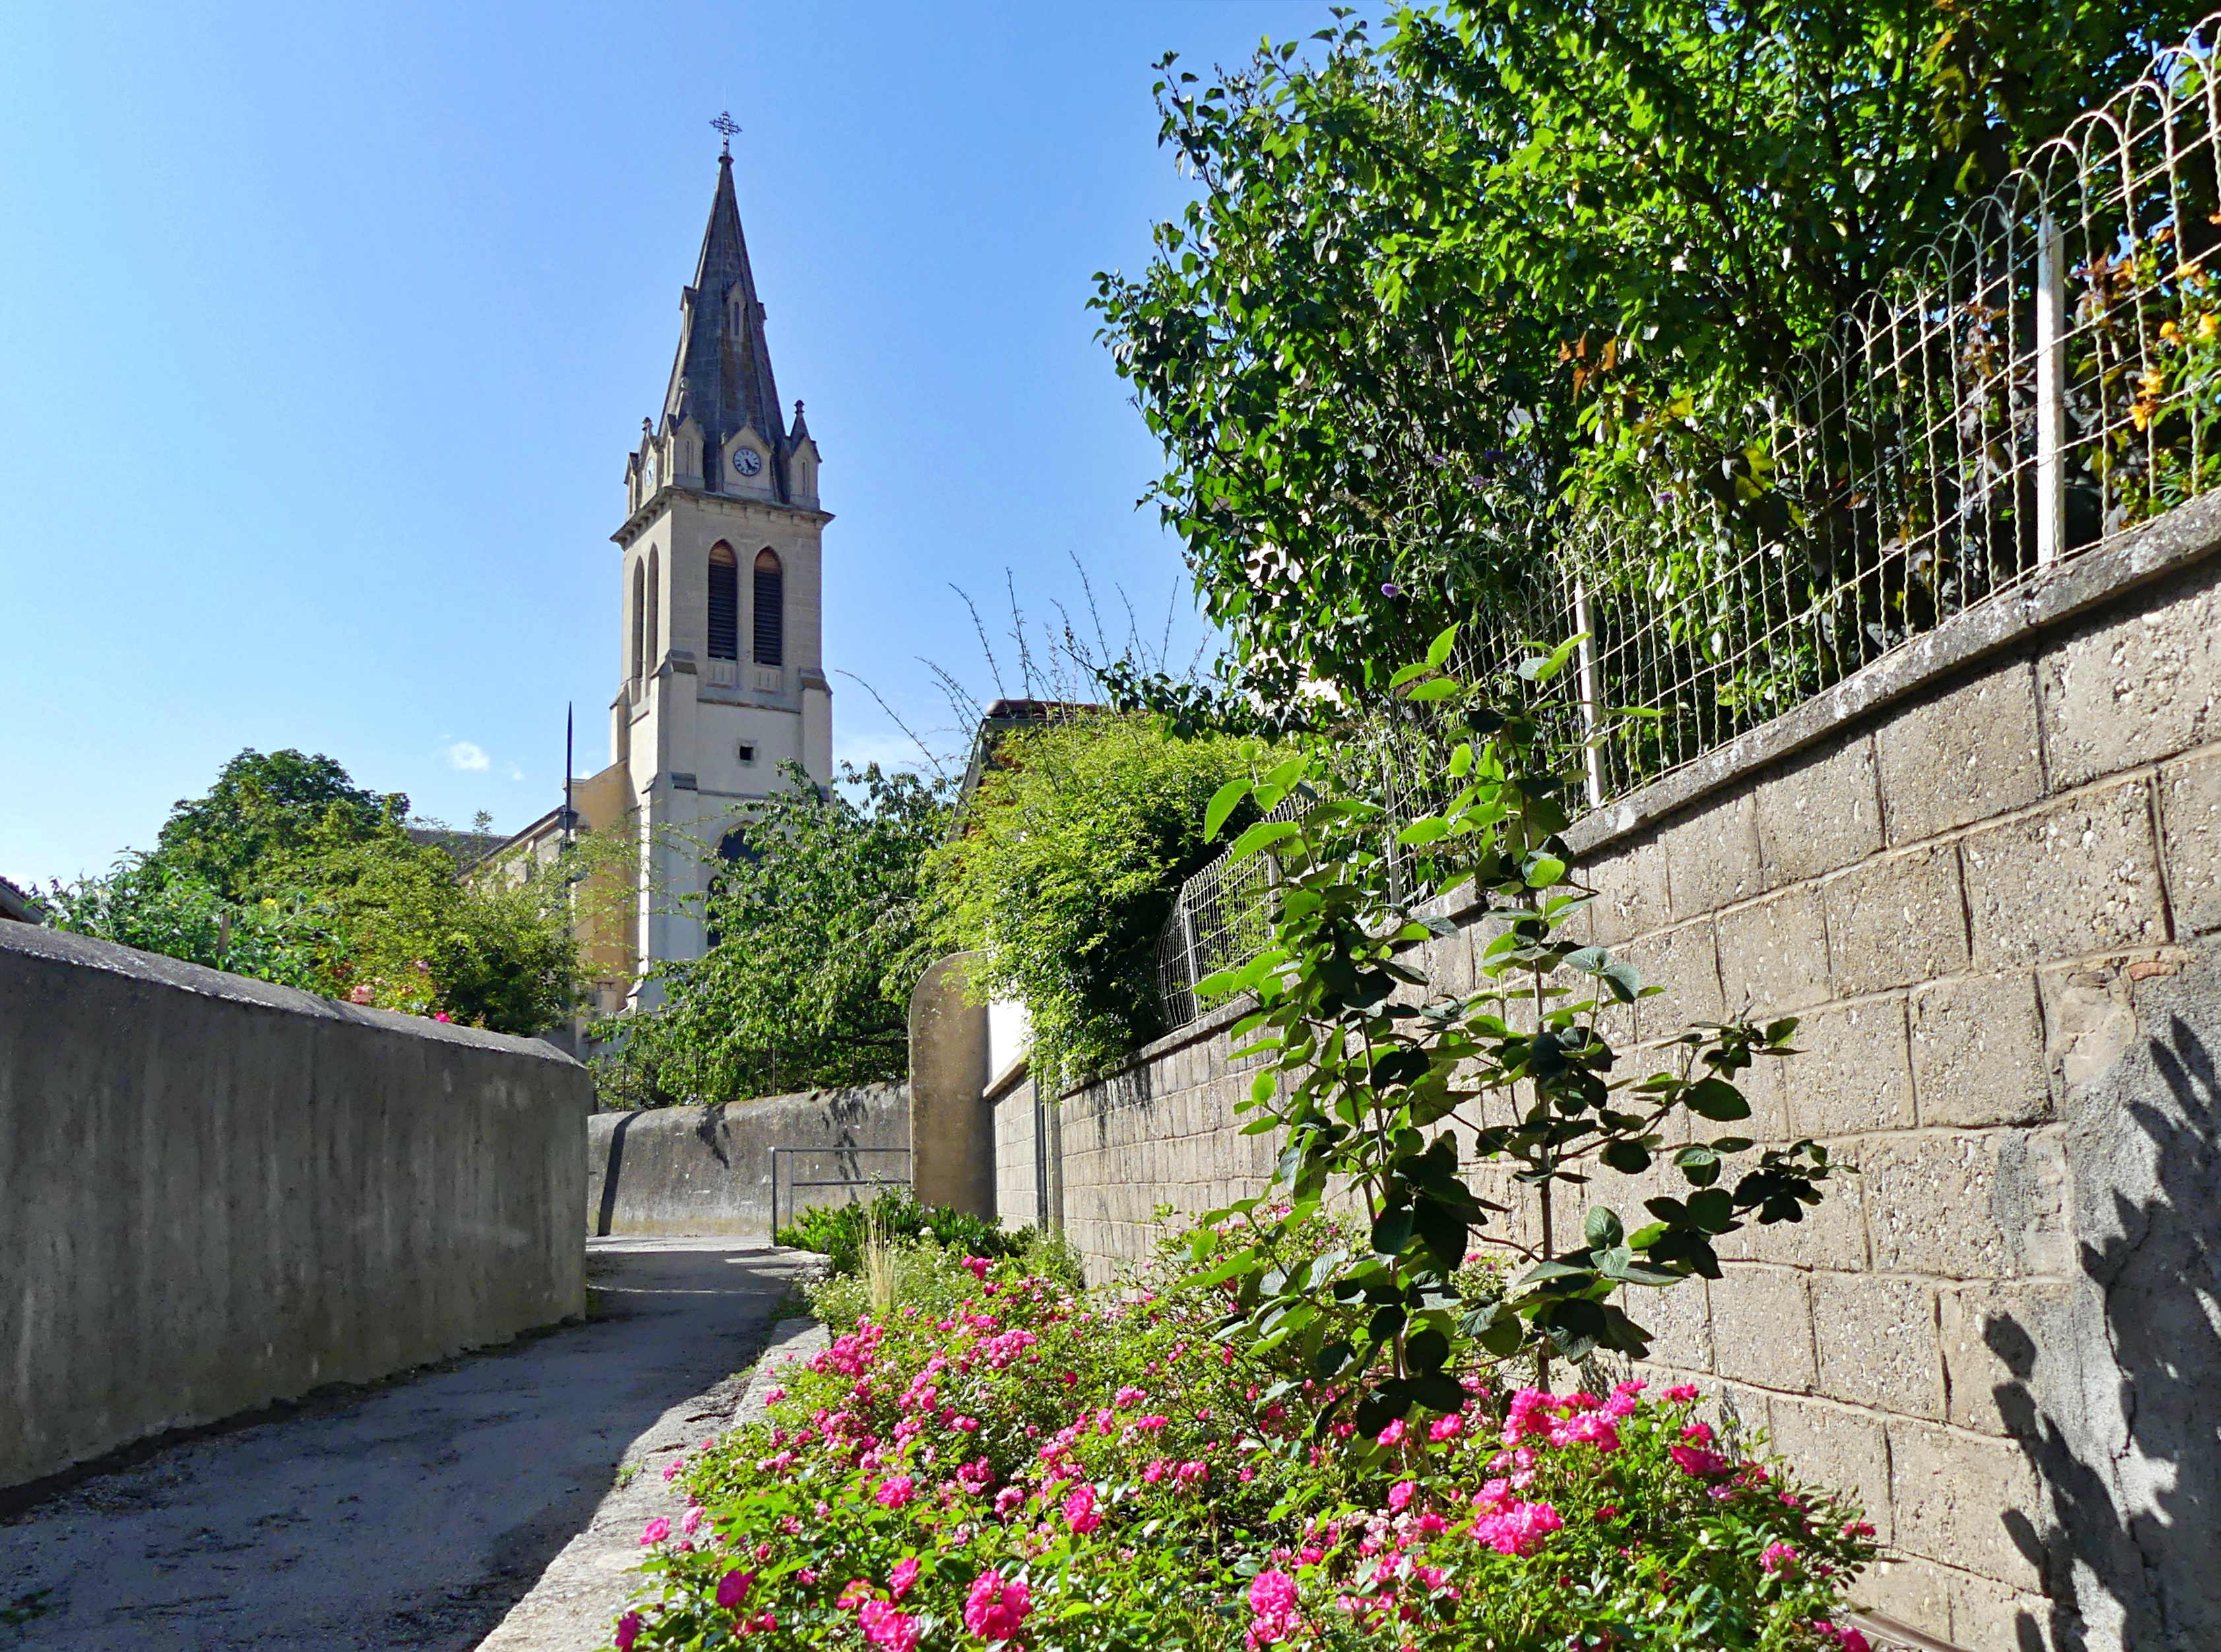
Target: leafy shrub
<point>1072,851</point>
<point>837,1230</point>
<point>1090,1473</point>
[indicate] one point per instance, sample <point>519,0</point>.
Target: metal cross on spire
<point>727,125</point>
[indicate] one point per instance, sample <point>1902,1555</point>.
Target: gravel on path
<point>407,1516</point>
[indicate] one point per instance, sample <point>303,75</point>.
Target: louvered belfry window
<point>771,611</point>
<point>724,602</point>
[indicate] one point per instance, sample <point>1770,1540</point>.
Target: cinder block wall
<point>708,1170</point>
<point>1986,874</point>
<point>222,1193</point>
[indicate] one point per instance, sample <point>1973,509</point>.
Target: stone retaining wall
<point>1986,874</point>
<point>223,1193</point>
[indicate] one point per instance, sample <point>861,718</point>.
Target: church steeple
<point>722,379</point>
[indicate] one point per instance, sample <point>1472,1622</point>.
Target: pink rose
<point>654,1531</point>
<point>1698,1463</point>
<point>1079,1511</point>
<point>733,1588</point>
<point>1400,1495</point>
<point>627,1632</point>
<point>884,1626</point>
<point>1682,1390</point>
<point>995,1610</point>
<point>896,1492</point>
<point>1779,1558</point>
<point>900,1580</point>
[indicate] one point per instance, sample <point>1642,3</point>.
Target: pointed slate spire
<point>722,376</point>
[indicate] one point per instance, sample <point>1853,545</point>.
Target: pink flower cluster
<point>994,1611</point>
<point>1273,1609</point>
<point>1079,1511</point>
<point>1510,1525</point>
<point>1695,1456</point>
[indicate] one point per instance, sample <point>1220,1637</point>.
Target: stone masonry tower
<point>724,675</point>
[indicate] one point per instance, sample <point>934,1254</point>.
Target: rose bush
<point>1042,1468</point>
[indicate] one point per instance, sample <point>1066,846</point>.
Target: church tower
<point>723,679</point>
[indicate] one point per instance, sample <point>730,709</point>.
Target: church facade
<point>720,666</point>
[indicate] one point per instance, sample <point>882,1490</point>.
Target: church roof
<point>722,376</point>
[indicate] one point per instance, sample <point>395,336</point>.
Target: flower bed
<point>1038,1469</point>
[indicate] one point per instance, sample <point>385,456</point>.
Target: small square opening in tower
<point>747,751</point>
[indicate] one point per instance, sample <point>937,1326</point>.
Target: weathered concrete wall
<point>222,1193</point>
<point>952,1121</point>
<point>1986,874</point>
<point>708,1170</point>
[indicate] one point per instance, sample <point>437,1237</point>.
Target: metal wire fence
<point>2047,378</point>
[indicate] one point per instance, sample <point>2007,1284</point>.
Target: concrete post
<point>952,1128</point>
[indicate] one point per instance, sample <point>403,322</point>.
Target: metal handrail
<point>837,1182</point>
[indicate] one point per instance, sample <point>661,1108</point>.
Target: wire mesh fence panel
<point>2045,379</point>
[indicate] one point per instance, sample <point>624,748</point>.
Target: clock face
<point>746,461</point>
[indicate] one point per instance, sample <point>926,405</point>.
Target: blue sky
<point>324,331</point>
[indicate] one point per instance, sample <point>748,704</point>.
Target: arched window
<point>724,602</point>
<point>654,614</point>
<point>771,611</point>
<point>639,618</point>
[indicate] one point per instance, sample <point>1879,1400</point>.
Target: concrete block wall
<point>223,1193</point>
<point>1987,876</point>
<point>708,1170</point>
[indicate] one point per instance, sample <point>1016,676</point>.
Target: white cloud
<point>515,771</point>
<point>468,755</point>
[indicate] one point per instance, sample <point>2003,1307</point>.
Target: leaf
<point>1378,1410</point>
<point>1260,836</point>
<point>1603,1229</point>
<point>1439,649</point>
<point>1717,1100</point>
<point>1426,1350</point>
<point>1392,1232</point>
<point>1223,802</point>
<point>1543,669</point>
<point>1589,960</point>
<point>1438,1391</point>
<point>1440,688</point>
<point>1386,1321</point>
<point>1629,1158</point>
<point>1544,871</point>
<point>1427,829</point>
<point>1445,1231</point>
<point>1503,1336</point>
<point>1712,1210</point>
<point>1331,1358</point>
<point>1626,983</point>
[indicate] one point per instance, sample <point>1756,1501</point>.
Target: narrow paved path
<point>408,1517</point>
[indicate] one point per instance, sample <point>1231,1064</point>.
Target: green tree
<point>263,807</point>
<point>1433,285</point>
<point>289,873</point>
<point>1071,855</point>
<point>815,926</point>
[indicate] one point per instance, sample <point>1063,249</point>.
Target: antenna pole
<point>567,713</point>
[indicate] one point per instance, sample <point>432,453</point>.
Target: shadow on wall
<point>612,1177</point>
<point>2119,1425</point>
